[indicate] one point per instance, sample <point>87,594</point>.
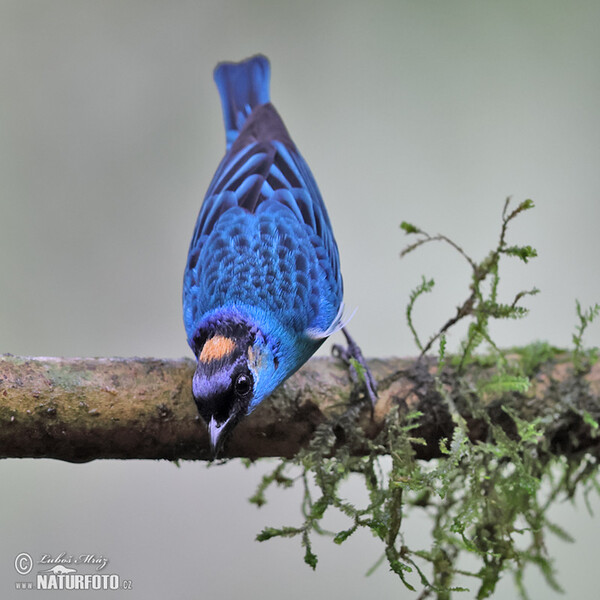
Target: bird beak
<point>215,432</point>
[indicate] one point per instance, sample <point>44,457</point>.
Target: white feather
<point>338,323</point>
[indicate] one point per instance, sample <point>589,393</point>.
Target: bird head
<point>235,372</point>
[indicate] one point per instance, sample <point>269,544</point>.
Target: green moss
<point>583,359</point>
<point>486,499</point>
<point>533,356</point>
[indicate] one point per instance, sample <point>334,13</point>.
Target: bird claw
<point>352,356</point>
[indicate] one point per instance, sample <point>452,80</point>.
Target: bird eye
<point>242,384</point>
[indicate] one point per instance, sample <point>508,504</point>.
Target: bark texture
<point>81,409</point>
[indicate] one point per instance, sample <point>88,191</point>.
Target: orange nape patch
<point>216,348</point>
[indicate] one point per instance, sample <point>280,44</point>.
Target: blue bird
<point>262,285</point>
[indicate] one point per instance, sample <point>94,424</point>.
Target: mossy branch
<point>85,409</point>
<point>516,430</point>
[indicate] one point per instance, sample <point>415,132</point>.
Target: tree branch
<point>81,409</point>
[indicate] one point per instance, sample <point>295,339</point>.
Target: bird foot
<point>360,374</point>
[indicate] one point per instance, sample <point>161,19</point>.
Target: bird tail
<point>243,86</point>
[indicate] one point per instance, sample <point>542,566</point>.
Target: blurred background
<point>430,112</point>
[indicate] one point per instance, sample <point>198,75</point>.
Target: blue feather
<point>242,86</point>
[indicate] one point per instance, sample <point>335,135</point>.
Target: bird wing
<point>263,182</point>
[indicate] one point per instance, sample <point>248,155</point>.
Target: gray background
<point>110,130</point>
